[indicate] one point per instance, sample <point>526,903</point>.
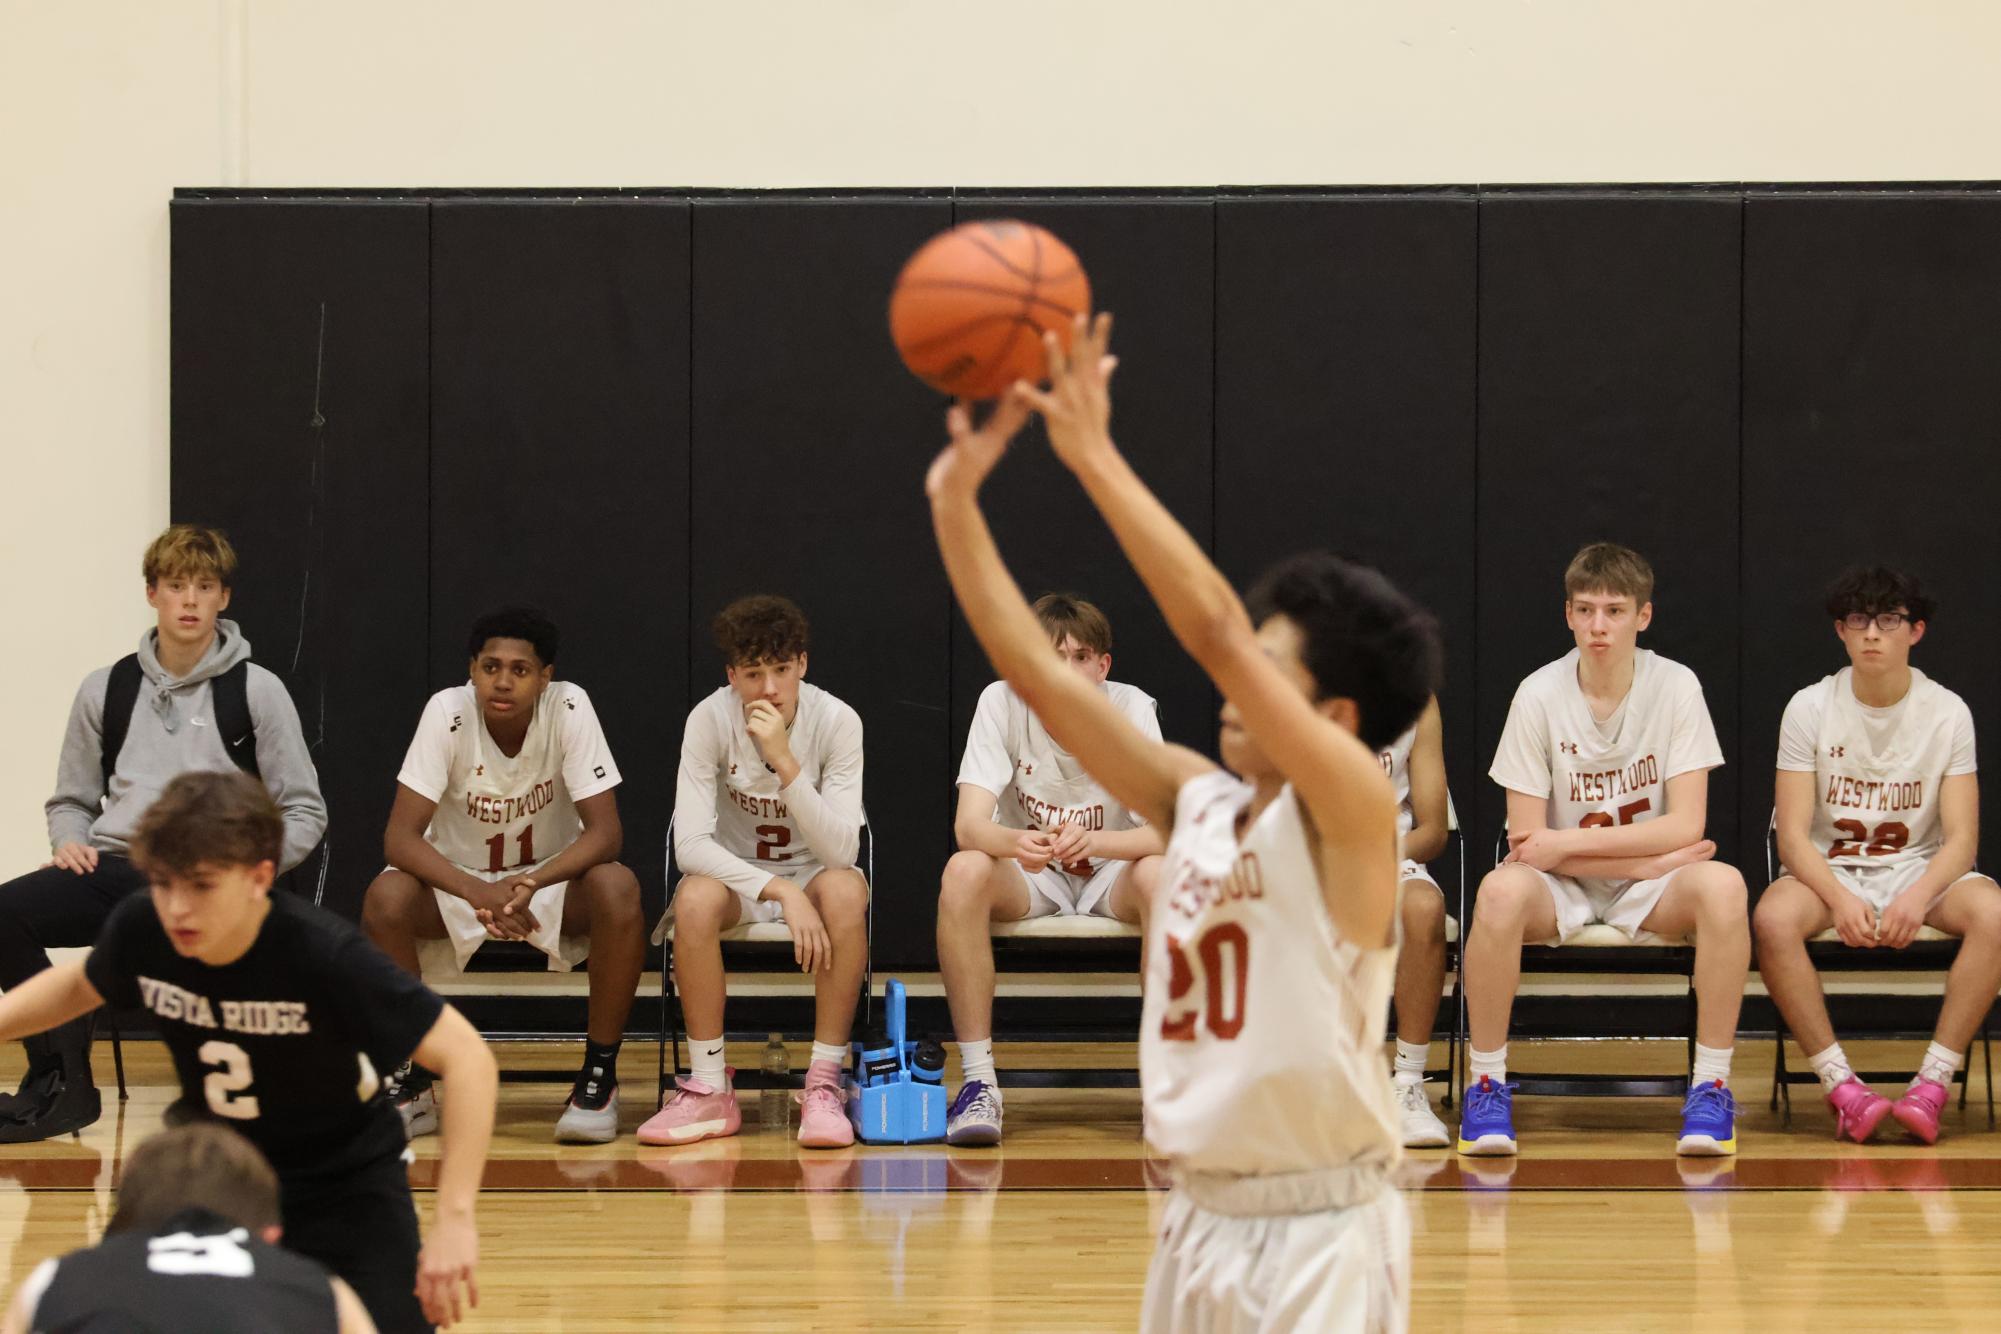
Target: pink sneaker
<point>1917,1111</point>
<point>1858,1109</point>
<point>694,1111</point>
<point>823,1112</point>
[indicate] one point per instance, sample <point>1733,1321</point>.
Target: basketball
<point>969,309</point>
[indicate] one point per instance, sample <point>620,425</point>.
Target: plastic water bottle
<point>774,1105</point>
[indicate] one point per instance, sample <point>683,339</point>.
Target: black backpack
<point>230,693</point>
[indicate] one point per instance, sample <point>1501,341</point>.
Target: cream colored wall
<point>106,105</point>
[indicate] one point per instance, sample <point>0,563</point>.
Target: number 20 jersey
<point>1261,1040</point>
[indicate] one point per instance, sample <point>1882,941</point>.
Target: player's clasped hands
<point>503,908</point>
<point>1855,922</point>
<point>1074,843</point>
<point>1544,849</point>
<point>446,1285</point>
<point>812,948</point>
<point>1034,849</point>
<point>1899,923</point>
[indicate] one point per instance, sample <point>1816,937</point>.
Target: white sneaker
<point>580,1125</point>
<point>1421,1127</point>
<point>420,1112</point>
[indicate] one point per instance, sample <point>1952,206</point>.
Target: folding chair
<point>763,934</point>
<point>1931,952</point>
<point>1601,949</point>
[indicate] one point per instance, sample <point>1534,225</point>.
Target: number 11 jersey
<point>1261,1037</point>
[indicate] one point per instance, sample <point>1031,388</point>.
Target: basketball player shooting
<point>1272,942</point>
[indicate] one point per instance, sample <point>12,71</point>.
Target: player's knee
<point>1146,878</point>
<point>1720,895</point>
<point>1776,922</point>
<point>1502,903</point>
<point>1423,911</point>
<point>385,906</point>
<point>966,885</point>
<point>843,899</point>
<point>699,908</point>
<point>613,892</point>
<point>1983,922</point>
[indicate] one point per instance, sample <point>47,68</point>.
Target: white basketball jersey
<point>1396,763</point>
<point>497,812</point>
<point>753,821</point>
<point>1036,783</point>
<point>1877,772</point>
<point>1261,1038</point>
<point>1606,773</point>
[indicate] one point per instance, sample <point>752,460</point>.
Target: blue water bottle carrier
<point>898,1091</point>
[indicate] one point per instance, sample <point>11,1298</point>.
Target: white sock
<point>705,1062</point>
<point>1832,1067</point>
<point>1493,1064</point>
<point>828,1051</point>
<point>1712,1065</point>
<point>1940,1064</point>
<point>1411,1057</point>
<point>976,1061</point>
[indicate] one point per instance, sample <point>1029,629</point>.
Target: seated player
<point>279,1017</point>
<point>190,698</point>
<point>1415,763</point>
<point>1606,757</point>
<point>1274,930</point>
<point>1037,837</point>
<point>1878,815</point>
<point>196,1233</point>
<point>767,826</point>
<point>506,827</point>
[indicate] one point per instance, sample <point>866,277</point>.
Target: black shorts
<point>363,1226</point>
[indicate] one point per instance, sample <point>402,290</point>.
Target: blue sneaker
<point>1487,1121</point>
<point>1708,1122</point>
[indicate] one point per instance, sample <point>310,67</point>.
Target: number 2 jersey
<point>1876,772</point>
<point>734,821</point>
<point>496,812</point>
<point>286,1044</point>
<point>1615,772</point>
<point>197,1271</point>
<point>1261,1039</point>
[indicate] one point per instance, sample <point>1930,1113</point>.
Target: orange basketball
<point>968,310</point>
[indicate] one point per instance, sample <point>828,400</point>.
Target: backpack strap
<point>121,696</point>
<point>230,693</point>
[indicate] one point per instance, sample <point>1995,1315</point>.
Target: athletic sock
<point>976,1061</point>
<point>1411,1057</point>
<point>1832,1067</point>
<point>829,1051</point>
<point>1940,1064</point>
<point>1492,1064</point>
<point>598,1077</point>
<point>705,1062</point>
<point>1712,1065</point>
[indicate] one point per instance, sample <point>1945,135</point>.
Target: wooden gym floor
<point>1595,1227</point>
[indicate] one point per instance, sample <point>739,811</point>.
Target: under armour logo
<point>1837,752</point>
<point>732,771</point>
<point>1028,770</point>
<point>1567,747</point>
<point>569,704</point>
<point>479,771</point>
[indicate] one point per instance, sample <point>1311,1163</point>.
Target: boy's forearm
<point>993,603</point>
<point>1129,845</point>
<point>51,997</point>
<point>415,856</point>
<point>473,1082</point>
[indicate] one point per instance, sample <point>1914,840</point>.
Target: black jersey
<point>197,1272</point>
<point>287,1044</point>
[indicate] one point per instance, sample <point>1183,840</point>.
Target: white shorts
<point>1877,885</point>
<point>1578,907</point>
<point>1336,1271</point>
<point>799,870</point>
<point>464,935</point>
<point>1054,892</point>
<point>1417,871</point>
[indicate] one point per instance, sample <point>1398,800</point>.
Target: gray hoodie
<point>173,731</point>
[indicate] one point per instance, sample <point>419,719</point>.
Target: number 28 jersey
<point>1261,1039</point>
<point>1876,772</point>
<point>285,1045</point>
<point>498,812</point>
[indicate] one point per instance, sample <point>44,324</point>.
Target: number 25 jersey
<point>1261,1039</point>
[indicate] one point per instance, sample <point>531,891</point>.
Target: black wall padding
<point>810,443</point>
<point>1872,411</point>
<point>1150,264</point>
<point>298,425</point>
<point>559,464</point>
<point>1609,410</point>
<point>1344,405</point>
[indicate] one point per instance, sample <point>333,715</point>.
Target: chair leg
<point>1778,1064</point>
<point>666,984</point>
<point>1987,1060</point>
<point>118,1053</point>
<point>1452,1043</point>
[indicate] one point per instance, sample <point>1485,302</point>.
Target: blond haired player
<point>1415,763</point>
<point>1272,934</point>
<point>1037,837</point>
<point>1605,758</point>
<point>1878,816</point>
<point>767,827</point>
